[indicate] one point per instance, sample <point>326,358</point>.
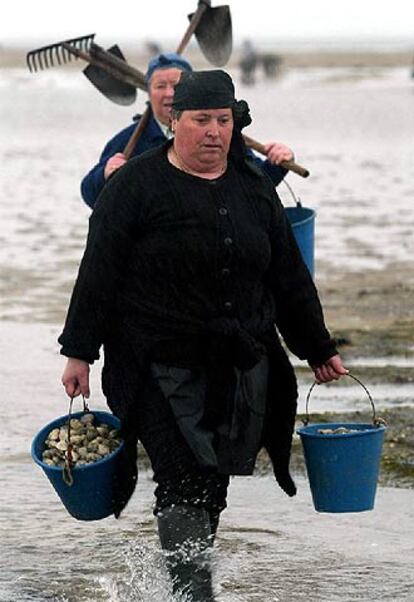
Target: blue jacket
<point>151,137</point>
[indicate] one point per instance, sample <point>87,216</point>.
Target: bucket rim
<point>306,219</point>
<point>40,437</point>
<point>359,428</point>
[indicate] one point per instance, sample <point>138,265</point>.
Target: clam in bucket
<point>87,491</point>
<point>302,220</point>
<point>343,461</point>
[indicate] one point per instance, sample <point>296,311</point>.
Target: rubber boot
<point>214,518</point>
<point>185,533</point>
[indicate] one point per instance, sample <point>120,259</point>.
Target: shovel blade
<point>214,34</point>
<point>111,87</point>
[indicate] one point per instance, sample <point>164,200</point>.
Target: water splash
<point>144,577</point>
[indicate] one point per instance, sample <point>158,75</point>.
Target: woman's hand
<point>114,163</point>
<point>332,369</point>
<point>75,378</point>
<point>277,152</point>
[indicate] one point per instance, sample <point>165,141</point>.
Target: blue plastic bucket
<point>90,497</point>
<point>302,220</point>
<point>343,468</point>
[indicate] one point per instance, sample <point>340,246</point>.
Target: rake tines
<point>44,57</point>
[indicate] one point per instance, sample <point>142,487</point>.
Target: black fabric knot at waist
<point>229,343</point>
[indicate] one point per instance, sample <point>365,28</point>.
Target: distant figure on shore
<point>270,63</point>
<point>248,63</point>
<point>251,60</point>
<point>152,48</point>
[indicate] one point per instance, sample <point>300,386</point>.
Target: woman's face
<point>202,137</point>
<point>161,92</point>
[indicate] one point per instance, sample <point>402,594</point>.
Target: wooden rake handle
<point>109,63</point>
<point>290,165</point>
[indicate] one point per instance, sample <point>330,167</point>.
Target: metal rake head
<point>43,58</point>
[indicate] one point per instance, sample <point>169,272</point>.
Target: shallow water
<point>353,130</point>
<point>269,547</point>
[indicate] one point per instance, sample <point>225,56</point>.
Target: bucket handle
<point>294,197</point>
<point>376,420</point>
<point>67,475</point>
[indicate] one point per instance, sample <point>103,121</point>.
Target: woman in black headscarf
<point>190,269</point>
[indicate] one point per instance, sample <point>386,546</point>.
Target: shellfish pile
<point>89,442</point>
<point>340,430</point>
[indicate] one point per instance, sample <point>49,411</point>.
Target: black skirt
<point>230,443</point>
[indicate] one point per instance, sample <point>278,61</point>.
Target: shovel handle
<point>203,5</point>
<point>290,165</point>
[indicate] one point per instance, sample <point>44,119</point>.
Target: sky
<point>48,21</point>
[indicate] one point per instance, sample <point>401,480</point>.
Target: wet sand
<point>372,312</point>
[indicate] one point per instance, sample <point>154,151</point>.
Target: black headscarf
<point>212,89</point>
